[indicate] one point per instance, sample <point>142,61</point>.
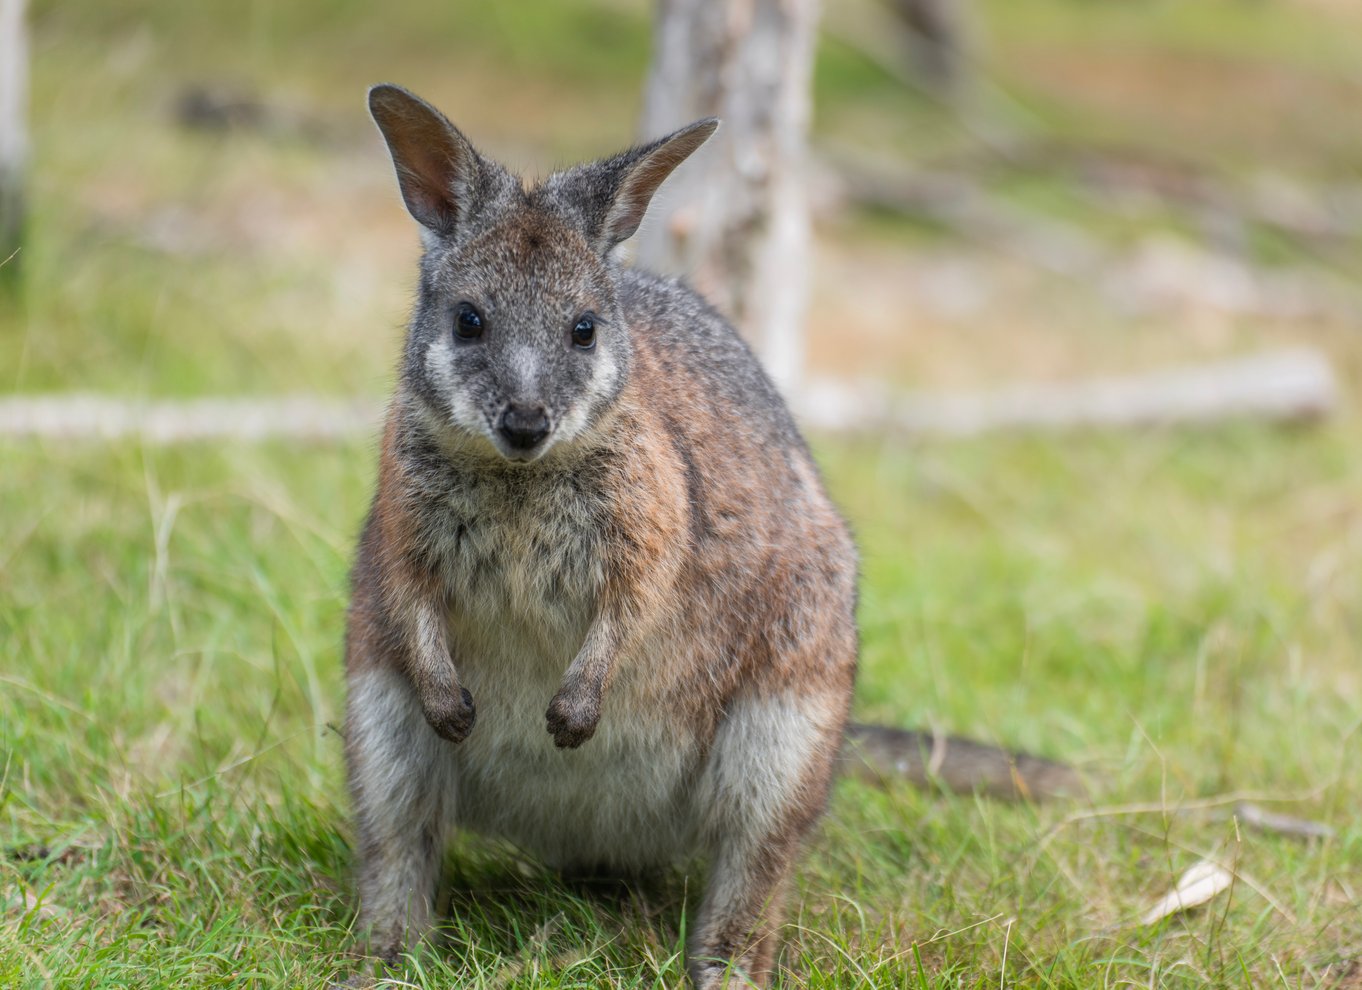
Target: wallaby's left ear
<point>611,196</point>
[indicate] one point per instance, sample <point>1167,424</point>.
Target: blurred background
<point>1010,201</point>
<point>1094,186</point>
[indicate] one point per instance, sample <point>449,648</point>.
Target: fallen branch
<point>168,421</point>
<point>1271,821</point>
<point>1282,386</point>
<point>881,754</point>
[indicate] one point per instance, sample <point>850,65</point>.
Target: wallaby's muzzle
<point>523,427</point>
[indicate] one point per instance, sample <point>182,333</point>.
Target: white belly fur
<point>622,799</point>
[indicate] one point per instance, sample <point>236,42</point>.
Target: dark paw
<point>572,721</point>
<point>452,718</point>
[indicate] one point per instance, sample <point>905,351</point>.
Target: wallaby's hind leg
<point>400,785</point>
<point>735,938</point>
<point>764,788</point>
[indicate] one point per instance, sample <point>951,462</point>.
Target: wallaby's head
<point>518,337</point>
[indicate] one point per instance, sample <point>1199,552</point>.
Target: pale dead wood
<point>1271,821</point>
<point>1202,882</point>
<point>1283,386</point>
<point>13,129</point>
<point>737,222</point>
<point>167,422</point>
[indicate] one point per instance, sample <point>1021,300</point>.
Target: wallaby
<point>602,605</point>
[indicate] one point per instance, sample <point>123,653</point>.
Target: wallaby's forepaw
<point>572,719</point>
<point>452,718</point>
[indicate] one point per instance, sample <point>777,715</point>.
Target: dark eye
<point>584,333</point>
<point>467,323</point>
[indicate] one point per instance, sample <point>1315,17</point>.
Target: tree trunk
<point>737,222</point>
<point>13,136</point>
<point>937,33</point>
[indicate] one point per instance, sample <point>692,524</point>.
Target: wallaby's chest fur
<point>524,560</point>
<point>519,555</point>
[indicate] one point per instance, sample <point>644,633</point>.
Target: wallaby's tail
<point>879,754</point>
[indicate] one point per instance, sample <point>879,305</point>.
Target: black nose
<point>524,426</point>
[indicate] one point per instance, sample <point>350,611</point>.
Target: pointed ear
<point>611,196</point>
<point>436,166</point>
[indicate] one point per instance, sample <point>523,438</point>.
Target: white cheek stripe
<point>439,369</point>
<point>604,376</point>
<point>439,355</point>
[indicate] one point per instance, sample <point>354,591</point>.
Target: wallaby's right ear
<point>436,166</point>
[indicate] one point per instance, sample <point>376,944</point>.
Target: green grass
<point>1172,613</point>
<point>1176,613</point>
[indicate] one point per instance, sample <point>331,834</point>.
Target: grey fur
<point>652,609</point>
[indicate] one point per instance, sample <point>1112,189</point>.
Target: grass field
<point>1177,613</point>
